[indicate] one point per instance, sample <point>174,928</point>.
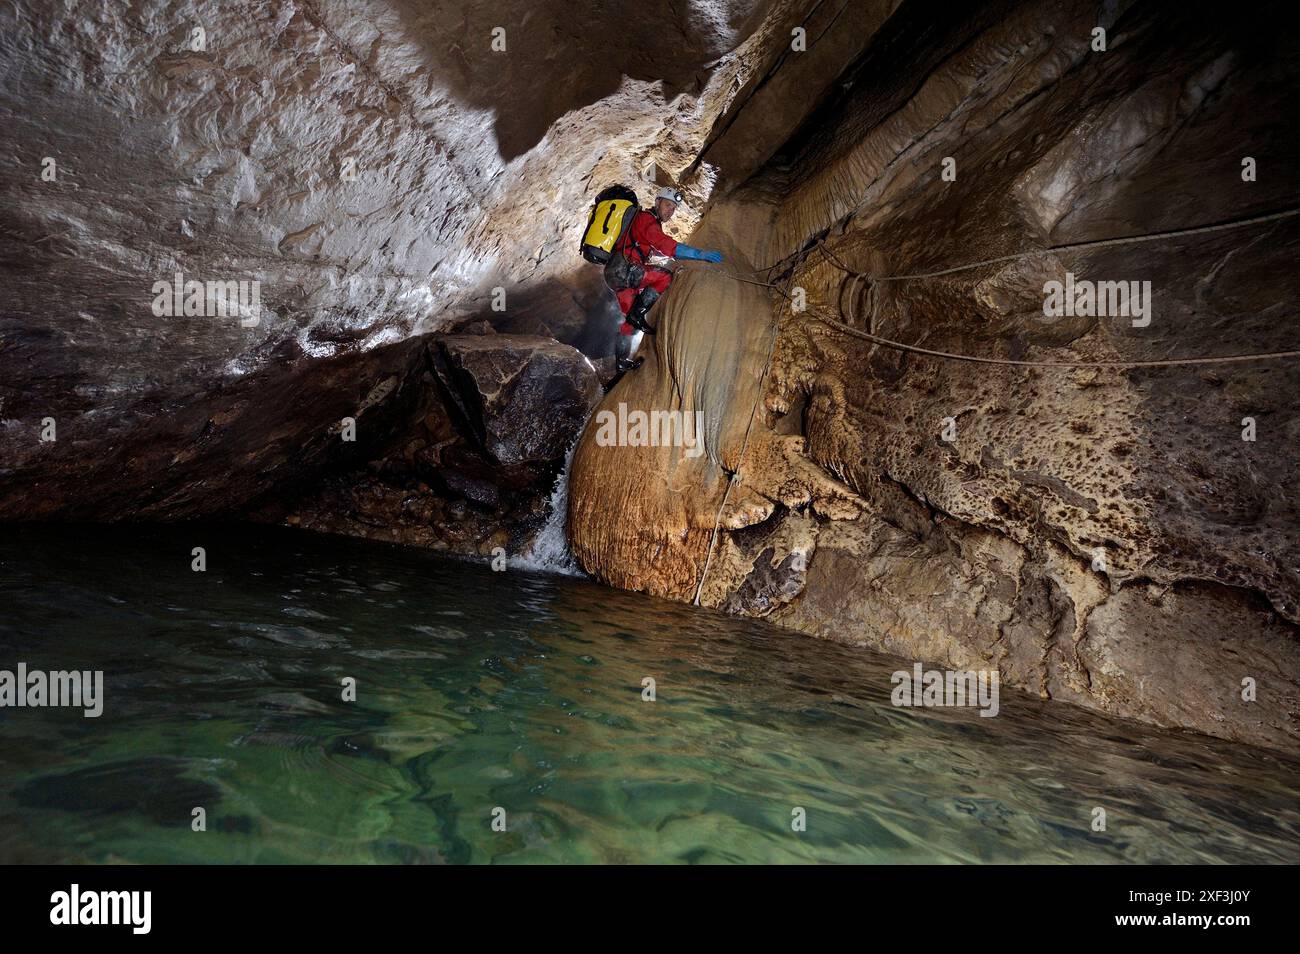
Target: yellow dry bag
<point>612,213</point>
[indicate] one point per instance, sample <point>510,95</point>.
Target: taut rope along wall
<point>951,356</point>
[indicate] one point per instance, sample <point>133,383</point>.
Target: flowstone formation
<point>643,516</point>
<point>1121,537</point>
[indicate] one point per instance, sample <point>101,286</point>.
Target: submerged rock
<point>157,788</point>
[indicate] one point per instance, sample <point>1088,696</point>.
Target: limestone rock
<point>375,167</point>
<point>523,397</point>
<point>1077,529</point>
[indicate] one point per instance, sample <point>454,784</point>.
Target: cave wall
<point>380,168</point>
<point>1102,536</point>
<point>470,467</point>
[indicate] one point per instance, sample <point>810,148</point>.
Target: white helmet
<point>672,195</point>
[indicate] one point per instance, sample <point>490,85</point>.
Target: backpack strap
<point>626,240</point>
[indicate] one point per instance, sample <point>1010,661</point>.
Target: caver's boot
<point>636,315</point>
<point>623,359</point>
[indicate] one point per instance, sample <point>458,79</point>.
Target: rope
<point>1068,247</point>
<point>948,355</point>
<point>733,276</point>
<point>1074,246</point>
<point>1099,243</point>
<point>1161,363</point>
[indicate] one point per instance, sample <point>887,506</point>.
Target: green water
<point>479,690</point>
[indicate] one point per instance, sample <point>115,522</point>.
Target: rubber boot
<point>623,354</point>
<point>636,315</point>
<point>623,361</point>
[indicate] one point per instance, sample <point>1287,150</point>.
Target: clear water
<point>479,690</point>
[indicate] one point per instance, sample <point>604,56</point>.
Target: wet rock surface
<point>525,398</point>
<point>387,453</point>
<point>475,465</point>
<point>1103,536</point>
<point>214,453</point>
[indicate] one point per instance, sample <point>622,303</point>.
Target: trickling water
<point>549,552</point>
<point>478,690</point>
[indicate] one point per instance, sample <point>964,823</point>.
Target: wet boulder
<point>523,397</point>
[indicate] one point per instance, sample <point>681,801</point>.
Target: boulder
<point>524,398</point>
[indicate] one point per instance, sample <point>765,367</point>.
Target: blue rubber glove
<point>690,252</point>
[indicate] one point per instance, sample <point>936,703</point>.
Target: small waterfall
<point>549,552</point>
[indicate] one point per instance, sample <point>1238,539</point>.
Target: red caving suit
<point>643,237</point>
